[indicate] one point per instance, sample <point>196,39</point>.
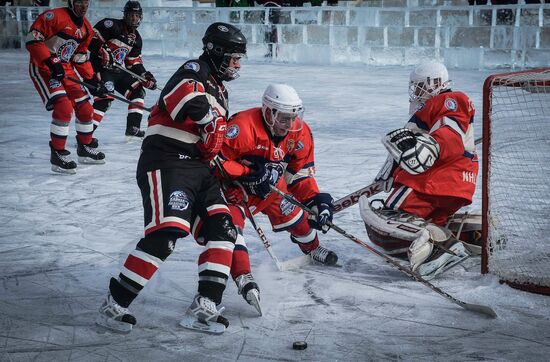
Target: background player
<point>58,44</point>
<point>117,41</point>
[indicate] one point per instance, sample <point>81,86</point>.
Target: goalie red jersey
<point>448,118</point>
<point>290,158</point>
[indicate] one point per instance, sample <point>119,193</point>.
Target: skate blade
<point>113,325</point>
<point>90,161</point>
<point>254,300</point>
<point>63,171</point>
<point>190,322</point>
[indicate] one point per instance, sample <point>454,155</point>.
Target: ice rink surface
<point>62,237</point>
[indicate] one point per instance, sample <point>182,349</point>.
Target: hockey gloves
<point>323,209</point>
<point>97,88</point>
<point>415,153</point>
<point>212,135</point>
<point>56,68</point>
<point>258,181</point>
<point>386,173</point>
<point>150,82</point>
<point>106,57</point>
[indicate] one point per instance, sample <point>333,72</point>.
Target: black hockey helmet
<point>132,7</point>
<point>222,42</point>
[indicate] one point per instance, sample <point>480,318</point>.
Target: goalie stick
<point>370,190</point>
<point>110,94</point>
<point>476,308</point>
<point>281,266</point>
<point>116,65</point>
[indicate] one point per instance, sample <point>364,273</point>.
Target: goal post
<point>516,179</point>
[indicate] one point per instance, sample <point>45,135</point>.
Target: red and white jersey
<point>59,32</point>
<point>447,117</point>
<point>291,157</point>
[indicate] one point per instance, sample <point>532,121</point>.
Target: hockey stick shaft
<point>122,99</point>
<point>482,309</point>
<point>116,65</point>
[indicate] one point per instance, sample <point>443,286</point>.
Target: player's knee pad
<point>219,227</point>
<point>102,104</point>
<point>159,244</point>
<point>62,109</point>
<point>392,230</point>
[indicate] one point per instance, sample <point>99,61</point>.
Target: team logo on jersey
<point>131,39</point>
<point>108,23</point>
<point>286,207</point>
<point>299,145</point>
<point>179,201</point>
<point>119,55</point>
<point>450,104</point>
<point>194,66</point>
<point>66,50</point>
<point>110,86</point>
<point>276,171</point>
<point>232,132</point>
<point>54,83</point>
<point>49,15</point>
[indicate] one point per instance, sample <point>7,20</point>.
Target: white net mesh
<point>518,179</point>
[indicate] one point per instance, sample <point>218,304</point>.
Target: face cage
<point>284,122</point>
<point>127,18</point>
<point>421,91</point>
<point>72,7</point>
<point>228,73</point>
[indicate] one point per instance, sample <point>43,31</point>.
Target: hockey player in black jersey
<point>117,43</point>
<point>180,194</point>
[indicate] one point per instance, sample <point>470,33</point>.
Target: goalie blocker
<point>404,235</point>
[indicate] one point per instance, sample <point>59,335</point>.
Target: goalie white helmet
<point>282,109</point>
<point>428,80</point>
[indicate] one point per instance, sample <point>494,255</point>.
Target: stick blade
<point>481,309</point>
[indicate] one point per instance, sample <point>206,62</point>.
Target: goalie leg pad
<point>392,230</point>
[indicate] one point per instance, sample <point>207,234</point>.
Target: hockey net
<point>516,179</point>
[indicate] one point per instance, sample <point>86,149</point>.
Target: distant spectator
<point>234,3</point>
<point>504,16</point>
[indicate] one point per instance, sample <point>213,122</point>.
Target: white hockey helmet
<point>428,80</point>
<point>282,109</point>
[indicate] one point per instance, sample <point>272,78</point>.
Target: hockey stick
<point>116,65</point>
<point>477,308</point>
<point>370,190</point>
<point>110,94</point>
<point>281,266</point>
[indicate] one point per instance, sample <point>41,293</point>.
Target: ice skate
<point>249,290</point>
<point>203,316</point>
<point>115,317</point>
<point>441,261</point>
<point>132,132</point>
<point>324,256</point>
<point>61,162</point>
<point>90,155</point>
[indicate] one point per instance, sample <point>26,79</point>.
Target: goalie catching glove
<point>415,153</point>
<point>323,210</point>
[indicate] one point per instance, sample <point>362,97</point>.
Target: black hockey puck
<point>299,345</point>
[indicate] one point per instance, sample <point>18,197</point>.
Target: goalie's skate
<point>115,317</point>
<point>441,261</point>
<point>249,290</point>
<point>203,316</point>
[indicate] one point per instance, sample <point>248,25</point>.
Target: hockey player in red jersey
<point>58,45</point>
<point>180,194</point>
<point>118,42</point>
<point>430,174</point>
<point>272,145</point>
